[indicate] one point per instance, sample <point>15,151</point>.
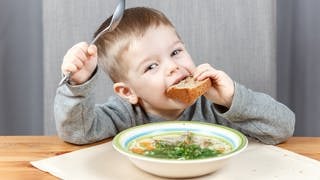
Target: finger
<point>214,75</point>
<point>81,49</point>
<point>82,45</point>
<point>73,58</point>
<point>78,61</point>
<point>84,49</point>
<point>77,53</point>
<point>92,50</point>
<point>205,73</point>
<point>69,68</point>
<point>201,69</point>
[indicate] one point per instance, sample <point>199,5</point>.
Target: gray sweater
<point>80,121</point>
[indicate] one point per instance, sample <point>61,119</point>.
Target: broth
<point>180,146</point>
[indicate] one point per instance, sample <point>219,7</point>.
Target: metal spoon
<point>116,18</point>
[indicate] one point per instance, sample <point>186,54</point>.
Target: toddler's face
<point>156,61</point>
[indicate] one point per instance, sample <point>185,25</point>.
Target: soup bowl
<point>182,167</point>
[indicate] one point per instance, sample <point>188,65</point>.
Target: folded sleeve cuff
<point>81,89</point>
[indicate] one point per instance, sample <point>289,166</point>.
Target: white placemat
<point>257,162</point>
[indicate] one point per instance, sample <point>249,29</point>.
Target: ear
<point>126,92</point>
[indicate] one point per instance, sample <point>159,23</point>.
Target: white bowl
<point>180,168</point>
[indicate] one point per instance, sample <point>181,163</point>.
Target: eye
<point>176,52</point>
<point>151,67</point>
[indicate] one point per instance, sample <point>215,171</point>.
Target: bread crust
<point>189,91</point>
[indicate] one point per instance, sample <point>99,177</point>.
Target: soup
<point>180,146</point>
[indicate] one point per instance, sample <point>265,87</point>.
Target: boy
<point>143,56</point>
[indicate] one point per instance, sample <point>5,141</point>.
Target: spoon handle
<point>65,79</point>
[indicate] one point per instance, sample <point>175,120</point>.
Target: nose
<point>172,68</point>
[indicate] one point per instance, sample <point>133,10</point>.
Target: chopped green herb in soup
<point>183,146</point>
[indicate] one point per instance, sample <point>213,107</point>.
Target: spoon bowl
<point>116,18</point>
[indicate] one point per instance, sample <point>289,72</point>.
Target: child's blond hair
<point>112,45</point>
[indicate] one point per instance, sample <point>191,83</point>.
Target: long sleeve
<point>258,115</point>
<point>80,121</point>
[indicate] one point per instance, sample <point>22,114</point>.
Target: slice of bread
<point>188,90</point>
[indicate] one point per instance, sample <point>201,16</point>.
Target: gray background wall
<point>298,59</point>
<point>268,45</point>
<point>21,71</point>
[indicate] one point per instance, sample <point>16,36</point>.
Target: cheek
<point>149,86</point>
<point>187,64</point>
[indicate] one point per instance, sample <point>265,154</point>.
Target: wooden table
<point>17,151</point>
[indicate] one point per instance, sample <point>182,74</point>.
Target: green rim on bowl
<point>232,136</point>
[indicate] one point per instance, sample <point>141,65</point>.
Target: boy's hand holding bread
<point>216,85</point>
